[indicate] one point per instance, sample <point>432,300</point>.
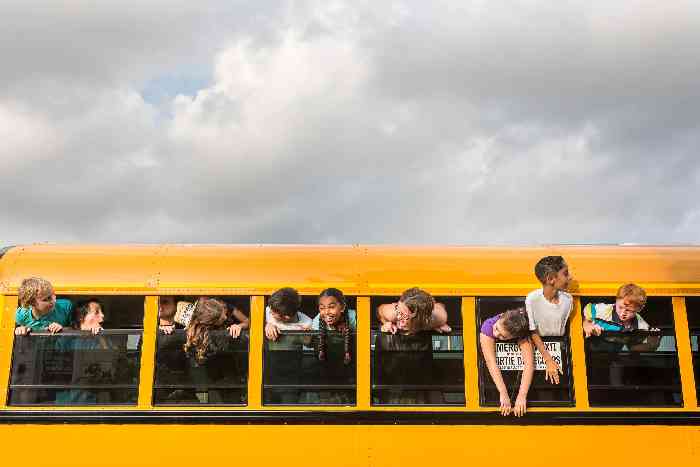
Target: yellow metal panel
<point>7,326</point>
<point>350,446</point>
<point>578,357</point>
<point>685,354</point>
<point>309,269</point>
<point>471,353</point>
<point>255,352</point>
<point>363,352</point>
<point>358,270</point>
<point>148,351</point>
<point>80,268</point>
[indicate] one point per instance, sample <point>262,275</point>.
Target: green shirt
<point>61,314</point>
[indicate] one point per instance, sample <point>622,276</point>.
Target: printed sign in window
<point>508,356</point>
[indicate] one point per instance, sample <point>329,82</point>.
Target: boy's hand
<point>520,406</point>
<point>54,328</point>
<point>590,329</point>
<point>505,404</point>
<point>389,327</point>
<point>167,328</point>
<point>271,332</point>
<point>22,330</point>
<point>552,372</point>
<point>234,330</point>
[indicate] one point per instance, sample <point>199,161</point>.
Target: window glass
<point>75,367</point>
<point>219,374</point>
<point>425,368</point>
<point>692,305</point>
<point>637,368</point>
<point>542,393</point>
<point>295,375</point>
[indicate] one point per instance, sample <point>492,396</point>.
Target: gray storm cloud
<point>410,122</point>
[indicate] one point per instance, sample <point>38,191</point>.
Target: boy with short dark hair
<point>282,313</point>
<point>549,307</point>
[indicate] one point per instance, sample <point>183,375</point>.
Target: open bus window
<point>219,376</point>
<point>692,305</point>
<point>294,374</point>
<point>637,368</point>
<point>425,368</point>
<point>75,367</point>
<point>542,393</point>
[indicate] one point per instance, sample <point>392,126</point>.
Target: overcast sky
<point>442,122</point>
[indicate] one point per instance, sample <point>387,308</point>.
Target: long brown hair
<point>421,303</point>
<point>209,313</point>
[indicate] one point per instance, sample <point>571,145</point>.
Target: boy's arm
<point>589,328</point>
<point>488,350</point>
<point>21,328</point>
<point>271,330</point>
<point>553,370</point>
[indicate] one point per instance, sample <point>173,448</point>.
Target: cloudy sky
<point>327,121</point>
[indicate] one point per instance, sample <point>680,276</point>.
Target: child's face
<point>330,310</point>
<point>404,316</point>
<point>44,302</point>
<point>283,318</point>
<point>499,332</point>
<point>94,317</point>
<point>166,307</point>
<point>562,279</point>
<point>626,309</point>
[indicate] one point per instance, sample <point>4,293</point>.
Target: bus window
<point>425,368</point>
<point>219,376</point>
<point>637,368</point>
<point>295,375</point>
<point>75,367</point>
<point>692,305</point>
<point>542,393</point>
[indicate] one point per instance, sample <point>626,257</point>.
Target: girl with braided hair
<point>333,315</point>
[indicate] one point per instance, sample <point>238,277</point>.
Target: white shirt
<point>547,318</point>
<point>302,322</point>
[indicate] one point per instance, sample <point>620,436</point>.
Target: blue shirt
<point>62,314</point>
<point>351,316</point>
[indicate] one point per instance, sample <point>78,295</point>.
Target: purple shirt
<point>487,326</point>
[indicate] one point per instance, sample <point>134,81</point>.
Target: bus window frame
<point>567,350</point>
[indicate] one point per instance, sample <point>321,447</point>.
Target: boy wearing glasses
<point>39,309</point>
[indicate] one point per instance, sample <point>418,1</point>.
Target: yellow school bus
<point>128,396</point>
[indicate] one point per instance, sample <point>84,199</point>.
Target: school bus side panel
<point>295,445</point>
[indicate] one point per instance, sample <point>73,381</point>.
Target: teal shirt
<point>61,314</point>
<point>351,316</point>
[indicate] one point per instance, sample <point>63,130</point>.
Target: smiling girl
<point>415,311</point>
<point>333,315</point>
